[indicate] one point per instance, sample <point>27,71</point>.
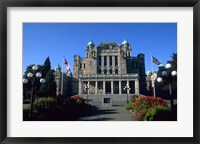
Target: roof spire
<point>124,42</point>
<point>90,42</point>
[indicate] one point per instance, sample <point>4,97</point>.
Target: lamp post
<point>87,87</point>
<point>152,77</point>
<point>127,88</point>
<point>168,74</point>
<point>32,77</point>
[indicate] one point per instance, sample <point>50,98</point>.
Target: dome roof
<point>148,72</point>
<point>90,42</point>
<point>161,65</point>
<point>106,45</point>
<point>125,42</point>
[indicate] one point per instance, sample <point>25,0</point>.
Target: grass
<point>26,106</point>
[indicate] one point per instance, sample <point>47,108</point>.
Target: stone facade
<point>64,87</point>
<point>107,68</point>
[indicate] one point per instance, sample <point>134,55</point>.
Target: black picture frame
<point>98,3</point>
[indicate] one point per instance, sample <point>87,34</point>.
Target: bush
<point>146,102</point>
<point>26,108</point>
<point>76,100</point>
<point>129,105</point>
<point>139,116</point>
<point>133,98</point>
<point>157,113</point>
<point>149,108</point>
<point>43,103</point>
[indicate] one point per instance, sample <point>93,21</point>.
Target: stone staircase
<point>116,99</point>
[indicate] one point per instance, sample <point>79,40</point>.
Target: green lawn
<point>26,106</point>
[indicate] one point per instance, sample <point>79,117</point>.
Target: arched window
<point>110,71</point>
<point>116,60</point>
<point>99,72</point>
<point>105,71</point>
<point>116,71</point>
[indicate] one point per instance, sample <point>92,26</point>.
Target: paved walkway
<point>114,113</point>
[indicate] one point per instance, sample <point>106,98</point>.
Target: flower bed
<point>148,108</point>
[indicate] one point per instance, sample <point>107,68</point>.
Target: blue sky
<point>56,40</point>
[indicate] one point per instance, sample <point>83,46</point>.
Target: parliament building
<point>107,68</point>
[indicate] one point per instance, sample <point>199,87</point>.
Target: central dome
<point>106,45</point>
<point>125,42</point>
<point>90,43</point>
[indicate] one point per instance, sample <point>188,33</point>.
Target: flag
<point>155,60</point>
<point>67,65</point>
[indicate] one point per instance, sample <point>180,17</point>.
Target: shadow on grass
<point>68,113</point>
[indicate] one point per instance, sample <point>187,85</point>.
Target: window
<point>84,65</point>
<point>99,72</point>
<point>99,60</point>
<point>116,71</point>
<point>105,60</point>
<point>105,71</point>
<point>110,71</point>
<point>80,65</point>
<point>116,60</point>
<point>110,60</point>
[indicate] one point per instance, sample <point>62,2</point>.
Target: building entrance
<point>108,87</point>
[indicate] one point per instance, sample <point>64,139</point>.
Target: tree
<point>40,90</point>
<point>49,87</point>
<point>46,67</point>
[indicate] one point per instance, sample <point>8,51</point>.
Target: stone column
<point>128,85</point>
<point>102,60</point>
<point>104,86</point>
<point>113,64</point>
<point>111,87</point>
<point>108,63</point>
<point>119,65</point>
<point>102,64</point>
<point>137,86</point>
<point>128,82</point>
<point>120,87</point>
<point>113,60</point>
<point>96,87</point>
<point>80,87</point>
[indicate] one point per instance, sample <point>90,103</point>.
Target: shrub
<point>26,108</point>
<point>76,100</point>
<point>157,113</point>
<point>76,97</point>
<point>133,98</point>
<point>129,105</point>
<point>148,107</point>
<point>146,102</point>
<point>44,103</point>
<point>139,116</point>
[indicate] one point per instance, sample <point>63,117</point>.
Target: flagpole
<point>62,76</point>
<point>153,82</point>
<point>151,64</point>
